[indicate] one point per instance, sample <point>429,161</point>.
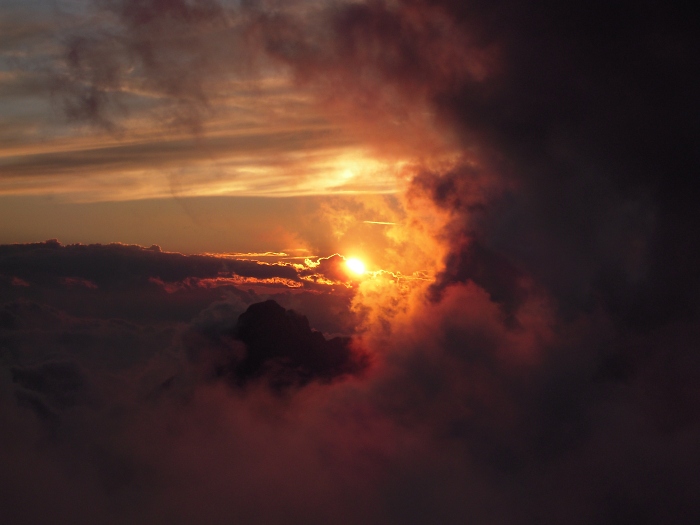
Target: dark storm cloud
<point>584,130</point>
<point>275,345</point>
<point>590,117</point>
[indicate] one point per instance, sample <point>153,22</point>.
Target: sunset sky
<point>349,262</point>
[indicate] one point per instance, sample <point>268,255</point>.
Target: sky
<point>185,184</point>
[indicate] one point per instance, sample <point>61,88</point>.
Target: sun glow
<point>356,266</point>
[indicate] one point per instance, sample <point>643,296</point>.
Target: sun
<point>356,266</point>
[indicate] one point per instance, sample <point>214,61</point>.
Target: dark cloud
<point>115,267</point>
<point>62,383</point>
<point>277,345</point>
<point>48,285</point>
<point>119,265</point>
<point>586,123</point>
<point>183,53</point>
<point>125,282</point>
<point>50,388</point>
<point>170,46</point>
<point>572,210</point>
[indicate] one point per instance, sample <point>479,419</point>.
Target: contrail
<point>378,222</point>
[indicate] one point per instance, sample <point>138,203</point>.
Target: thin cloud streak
<point>224,127</point>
